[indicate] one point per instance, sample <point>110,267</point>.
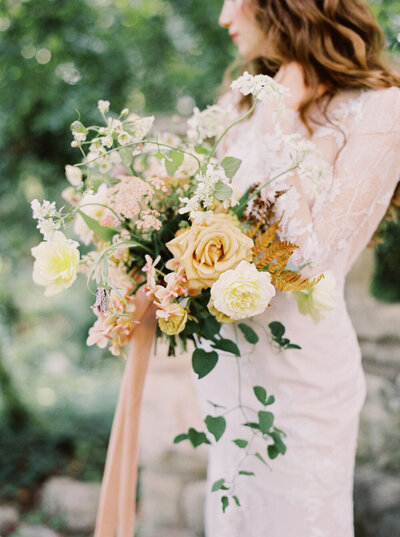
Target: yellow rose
<point>56,263</point>
<point>207,251</point>
<point>221,317</point>
<point>175,322</point>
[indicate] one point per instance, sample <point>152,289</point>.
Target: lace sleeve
<point>336,222</point>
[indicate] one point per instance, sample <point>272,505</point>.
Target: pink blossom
<point>130,194</point>
<point>149,220</point>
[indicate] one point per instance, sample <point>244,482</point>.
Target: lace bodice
<point>332,217</point>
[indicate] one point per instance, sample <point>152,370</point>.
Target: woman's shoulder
<point>357,102</point>
<point>376,110</point>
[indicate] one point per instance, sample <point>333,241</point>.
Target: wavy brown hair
<point>337,42</point>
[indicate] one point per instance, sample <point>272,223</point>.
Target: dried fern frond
<point>263,241</point>
<point>286,280</point>
<point>277,250</point>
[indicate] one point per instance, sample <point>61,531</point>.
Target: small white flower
<point>107,141</point>
<point>56,263</point>
<point>73,174</point>
<point>242,292</point>
<point>48,227</point>
<point>321,297</point>
<point>44,209</point>
<point>201,217</point>
<point>208,123</point>
<point>262,87</point>
<point>103,106</point>
<point>124,138</point>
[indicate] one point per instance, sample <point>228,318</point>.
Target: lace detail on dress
<point>333,219</point>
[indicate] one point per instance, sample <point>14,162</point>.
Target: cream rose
<point>56,263</point>
<point>207,251</point>
<point>242,292</point>
<point>321,297</point>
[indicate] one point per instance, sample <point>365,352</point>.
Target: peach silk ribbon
<point>116,512</point>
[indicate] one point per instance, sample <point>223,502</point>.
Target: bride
<point>347,102</point>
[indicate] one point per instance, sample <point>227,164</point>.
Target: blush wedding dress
<point>319,389</point>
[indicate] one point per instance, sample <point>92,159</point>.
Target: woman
<point>327,52</point>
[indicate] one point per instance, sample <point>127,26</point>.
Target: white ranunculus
<point>322,297</point>
<point>56,263</point>
<point>93,210</point>
<point>242,292</point>
<point>73,174</point>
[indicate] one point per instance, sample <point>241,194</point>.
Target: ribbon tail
<point>116,510</point>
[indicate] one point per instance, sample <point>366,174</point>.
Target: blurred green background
<point>59,56</point>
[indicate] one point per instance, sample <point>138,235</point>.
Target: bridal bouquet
<point>157,215</point>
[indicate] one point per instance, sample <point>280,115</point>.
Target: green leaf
<point>261,394</point>
<point>241,443</point>
<point>252,425</point>
<point>180,438</point>
<point>249,334</point>
<point>244,472</point>
<point>222,191</point>
<point>278,442</point>
<point>225,503</point>
<point>216,426</point>
<point>197,438</point>
<point>277,329</point>
<point>293,346</point>
<point>176,160</point>
<point>103,232</point>
<point>203,362</point>
<point>236,500</point>
<point>218,485</point>
<point>159,155</point>
<point>261,458</point>
<point>265,420</point>
<point>201,150</point>
<point>270,401</point>
<point>273,451</point>
<point>231,166</point>
<point>227,345</point>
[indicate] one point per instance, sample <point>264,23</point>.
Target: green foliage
<point>385,284</point>
<point>277,332</point>
<point>216,426</point>
<point>249,334</point>
<point>203,362</point>
<point>58,443</point>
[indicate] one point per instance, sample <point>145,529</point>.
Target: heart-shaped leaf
<point>231,166</point>
<point>216,426</point>
<point>265,420</point>
<point>203,362</point>
<point>176,159</point>
<point>227,345</point>
<point>261,394</point>
<point>222,191</point>
<point>277,329</point>
<point>197,438</point>
<point>249,334</point>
